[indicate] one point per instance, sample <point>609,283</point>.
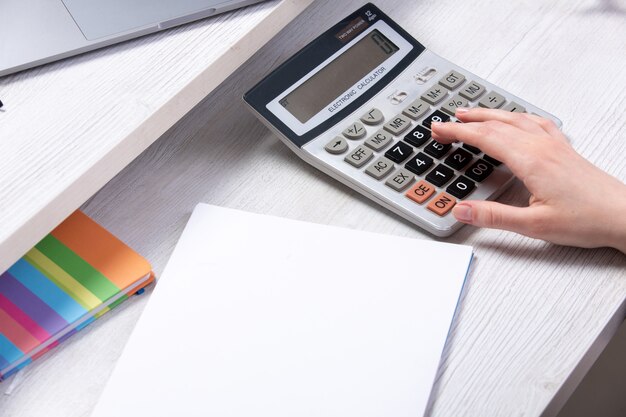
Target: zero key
<point>441,204</point>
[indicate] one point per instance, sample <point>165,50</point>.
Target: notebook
<point>264,316</point>
<point>71,277</point>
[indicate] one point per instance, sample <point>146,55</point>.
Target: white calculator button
<point>380,168</point>
<point>454,103</point>
<point>513,107</point>
<point>337,146</point>
<point>359,156</point>
<point>373,117</point>
<point>492,100</point>
<point>355,131</point>
<point>379,140</point>
<point>416,109</point>
<point>398,124</point>
<point>400,179</point>
<point>435,94</point>
<point>452,80</point>
<point>472,91</point>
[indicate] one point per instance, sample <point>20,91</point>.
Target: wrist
<point>617,237</point>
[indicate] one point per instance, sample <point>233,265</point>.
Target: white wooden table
<point>534,315</point>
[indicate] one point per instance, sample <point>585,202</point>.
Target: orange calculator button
<point>421,192</point>
<point>442,204</point>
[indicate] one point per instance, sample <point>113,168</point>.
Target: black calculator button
<point>479,170</point>
<point>436,116</point>
<point>437,149</point>
<point>459,159</point>
<point>399,152</point>
<point>419,164</point>
<point>461,187</point>
<point>440,175</point>
<point>417,136</point>
<point>492,161</point>
<point>472,149</point>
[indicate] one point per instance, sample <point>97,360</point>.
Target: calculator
<point>358,102</point>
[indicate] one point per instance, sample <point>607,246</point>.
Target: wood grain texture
<point>533,316</point>
<point>67,128</point>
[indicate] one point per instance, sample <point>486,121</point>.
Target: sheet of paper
<point>264,316</point>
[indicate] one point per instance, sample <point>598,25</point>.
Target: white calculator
<point>357,103</point>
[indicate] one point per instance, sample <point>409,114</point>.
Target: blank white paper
<point>263,316</point>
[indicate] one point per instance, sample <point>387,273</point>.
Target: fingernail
<point>435,124</point>
<point>461,110</point>
<point>463,213</point>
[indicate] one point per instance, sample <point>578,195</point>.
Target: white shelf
<point>68,127</point>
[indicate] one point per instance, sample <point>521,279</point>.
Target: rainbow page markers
<point>71,277</point>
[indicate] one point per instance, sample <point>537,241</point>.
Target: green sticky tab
<point>78,268</point>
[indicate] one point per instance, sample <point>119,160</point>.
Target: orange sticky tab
<point>421,192</point>
<point>103,251</point>
<point>442,204</point>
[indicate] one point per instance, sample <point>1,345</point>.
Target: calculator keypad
<point>406,151</point>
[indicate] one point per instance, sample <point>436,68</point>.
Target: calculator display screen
<point>325,87</point>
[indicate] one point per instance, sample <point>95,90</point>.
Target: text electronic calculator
<point>357,103</point>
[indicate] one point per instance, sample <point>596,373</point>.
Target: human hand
<point>572,201</point>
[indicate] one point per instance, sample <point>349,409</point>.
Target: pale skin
<point>569,195</point>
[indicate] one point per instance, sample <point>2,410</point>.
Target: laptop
<point>35,32</point>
